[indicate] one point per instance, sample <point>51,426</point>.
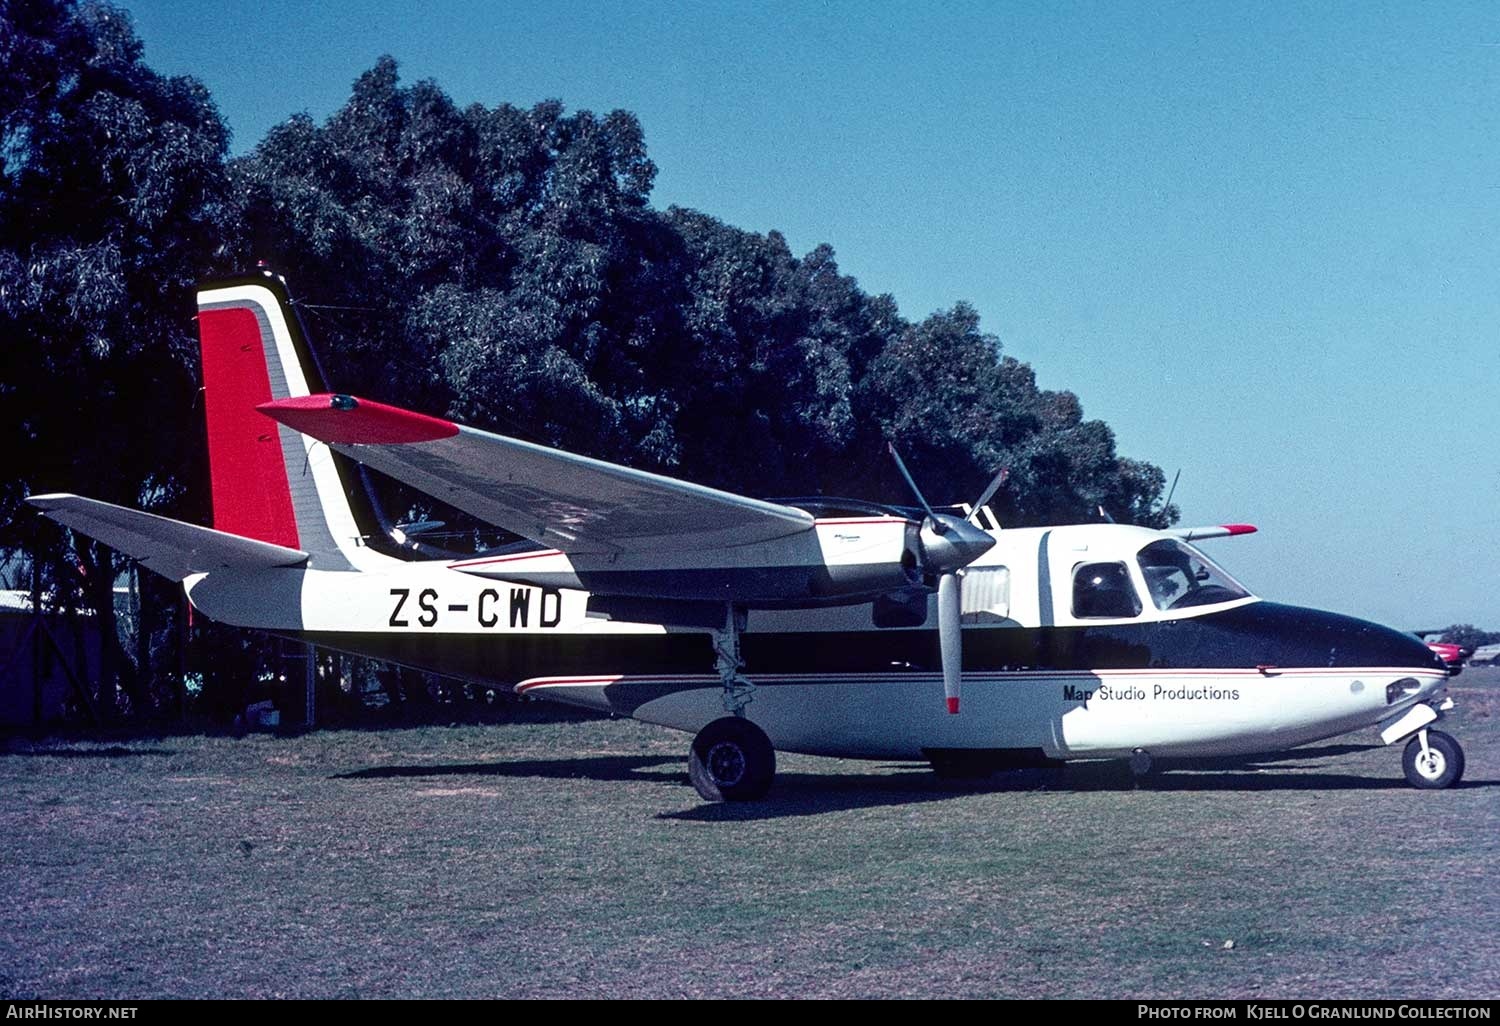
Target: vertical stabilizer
<point>269,482</point>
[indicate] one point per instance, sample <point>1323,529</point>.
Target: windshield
<point>1178,576</point>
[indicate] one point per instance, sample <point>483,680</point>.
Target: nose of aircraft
<point>1298,636</point>
<point>1397,647</point>
<point>951,543</point>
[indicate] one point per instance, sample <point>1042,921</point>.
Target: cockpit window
<point>1103,590</point>
<point>1179,576</point>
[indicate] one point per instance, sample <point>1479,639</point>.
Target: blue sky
<point>1260,240</point>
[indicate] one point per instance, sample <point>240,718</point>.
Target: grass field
<point>574,860</point>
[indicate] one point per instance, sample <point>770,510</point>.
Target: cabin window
<point>1104,591</point>
<point>1179,576</point>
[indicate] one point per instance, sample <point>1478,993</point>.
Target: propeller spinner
<point>946,545</point>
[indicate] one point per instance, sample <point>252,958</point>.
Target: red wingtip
<point>1234,529</point>
<point>344,420</point>
<point>953,705</point>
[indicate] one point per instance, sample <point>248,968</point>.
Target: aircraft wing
<point>170,547</point>
<point>572,503</point>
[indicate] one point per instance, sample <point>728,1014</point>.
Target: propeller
<point>989,492</point>
<point>946,544</point>
<point>1173,490</point>
<point>951,636</point>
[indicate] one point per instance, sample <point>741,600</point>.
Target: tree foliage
<point>1467,636</point>
<point>109,181</point>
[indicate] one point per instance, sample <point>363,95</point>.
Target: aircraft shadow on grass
<point>809,794</point>
<point>795,794</point>
<point>593,767</point>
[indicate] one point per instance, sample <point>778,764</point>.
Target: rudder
<point>269,482</point>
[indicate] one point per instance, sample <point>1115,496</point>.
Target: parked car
<point>1452,655</point>
<point>1485,655</point>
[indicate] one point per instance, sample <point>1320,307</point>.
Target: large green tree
<point>110,175</point>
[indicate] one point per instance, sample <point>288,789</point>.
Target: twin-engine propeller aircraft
<point>816,626</point>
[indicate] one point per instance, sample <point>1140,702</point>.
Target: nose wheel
<point>1433,760</point>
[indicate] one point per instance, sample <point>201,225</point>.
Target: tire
<point>732,761</point>
<point>1443,768</point>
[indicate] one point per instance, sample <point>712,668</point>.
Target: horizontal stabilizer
<point>1215,531</point>
<point>170,547</point>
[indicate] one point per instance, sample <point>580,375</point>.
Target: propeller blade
<point>901,466</point>
<point>950,636</point>
<point>989,493</point>
<point>1173,490</point>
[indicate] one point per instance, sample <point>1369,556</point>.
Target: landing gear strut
<point>731,758</point>
<point>1433,760</point>
<point>1140,763</point>
<point>738,691</point>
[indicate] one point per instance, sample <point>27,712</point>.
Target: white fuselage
<point>1214,679</point>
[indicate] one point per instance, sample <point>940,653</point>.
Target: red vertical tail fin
<point>269,482</point>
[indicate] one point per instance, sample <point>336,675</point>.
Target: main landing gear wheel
<point>1440,765</point>
<point>732,761</point>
